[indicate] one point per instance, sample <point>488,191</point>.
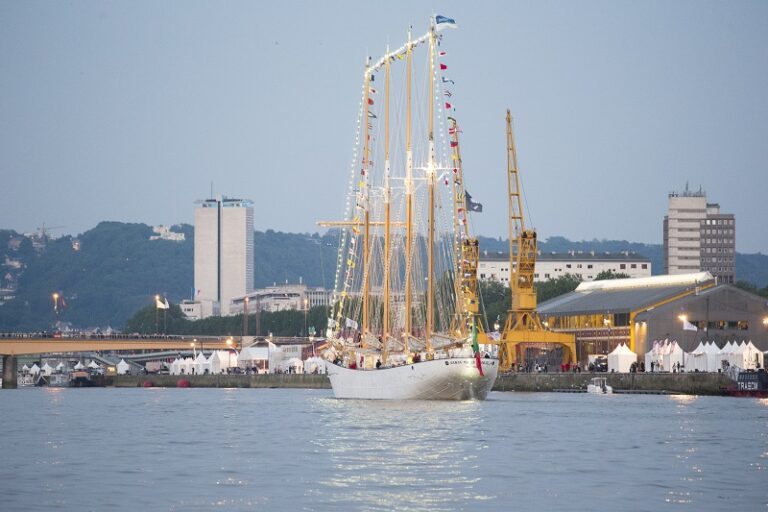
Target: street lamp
<point>684,320</point>
<point>55,297</point>
<point>765,322</point>
<point>245,321</point>
<point>157,315</point>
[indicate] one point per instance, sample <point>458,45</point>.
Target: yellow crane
<point>523,324</point>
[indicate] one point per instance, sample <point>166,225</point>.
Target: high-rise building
<point>697,237</point>
<point>223,253</point>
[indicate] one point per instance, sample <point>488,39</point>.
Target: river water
<point>287,449</point>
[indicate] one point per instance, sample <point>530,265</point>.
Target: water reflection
<point>245,449</point>
<point>400,455</point>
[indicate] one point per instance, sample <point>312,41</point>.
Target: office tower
<point>698,237</point>
<point>223,253</point>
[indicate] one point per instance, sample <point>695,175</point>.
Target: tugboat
<point>750,384</point>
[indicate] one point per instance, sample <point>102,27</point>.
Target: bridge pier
<point>9,372</point>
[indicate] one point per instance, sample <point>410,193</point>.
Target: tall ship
<point>405,318</point>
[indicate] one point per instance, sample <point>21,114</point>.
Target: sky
<point>129,111</point>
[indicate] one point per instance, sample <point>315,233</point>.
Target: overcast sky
<point>129,110</point>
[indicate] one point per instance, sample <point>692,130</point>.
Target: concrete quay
<point>684,383</point>
<point>225,381</point>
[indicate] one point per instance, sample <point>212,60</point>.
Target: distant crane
<point>523,324</point>
<point>43,231</point>
<point>41,236</point>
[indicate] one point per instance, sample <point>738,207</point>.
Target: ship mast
<point>408,196</point>
<point>431,189</point>
<point>387,241</point>
<point>366,205</point>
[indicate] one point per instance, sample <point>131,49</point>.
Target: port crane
<point>523,324</point>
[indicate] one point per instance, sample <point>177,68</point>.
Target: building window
<point>634,265</point>
<point>546,276</point>
<point>589,266</point>
<point>644,266</point>
<point>623,266</point>
<point>567,265</point>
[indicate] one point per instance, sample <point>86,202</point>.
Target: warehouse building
<point>688,308</point>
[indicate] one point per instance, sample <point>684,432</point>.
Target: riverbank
<point>224,381</point>
<point>685,383</point>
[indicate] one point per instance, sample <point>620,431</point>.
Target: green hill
<point>115,270</point>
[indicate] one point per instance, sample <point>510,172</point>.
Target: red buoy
<point>182,383</point>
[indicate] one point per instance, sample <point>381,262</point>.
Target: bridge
<point>13,345</point>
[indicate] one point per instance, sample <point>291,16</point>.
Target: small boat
<point>599,386</point>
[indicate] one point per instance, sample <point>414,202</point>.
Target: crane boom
<point>523,324</point>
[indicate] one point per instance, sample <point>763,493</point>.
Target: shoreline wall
<point>687,383</point>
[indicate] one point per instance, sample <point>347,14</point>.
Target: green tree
<point>555,287</point>
<point>610,274</point>
<point>278,323</point>
<point>496,301</point>
<point>752,288</point>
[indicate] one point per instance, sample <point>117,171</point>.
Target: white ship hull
<point>454,378</point>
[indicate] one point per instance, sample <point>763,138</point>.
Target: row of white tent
<point>219,361</point>
<point>48,369</point>
<point>706,357</point>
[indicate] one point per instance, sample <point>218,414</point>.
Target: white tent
<point>664,351</point>
<point>186,365</point>
<point>262,356</point>
<point>60,367</point>
<point>724,354</point>
<point>736,356</point>
<point>35,369</point>
<point>621,359</point>
<point>47,369</point>
<point>653,356</point>
<point>94,365</point>
<point>123,367</point>
<point>314,365</point>
<point>221,360</point>
<point>750,358</point>
<point>759,357</point>
<point>202,364</point>
<point>25,369</point>
<point>293,365</point>
<point>79,366</point>
<point>713,357</point>
<point>175,368</point>
<point>674,356</point>
<point>697,360</point>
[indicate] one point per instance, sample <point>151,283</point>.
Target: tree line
<point>496,300</point>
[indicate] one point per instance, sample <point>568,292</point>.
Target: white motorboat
<point>599,385</point>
